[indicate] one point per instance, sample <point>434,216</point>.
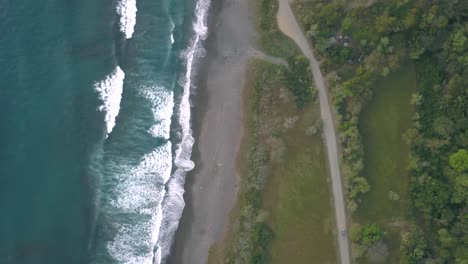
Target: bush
<point>371,234</point>
<point>261,238</point>
<point>299,80</point>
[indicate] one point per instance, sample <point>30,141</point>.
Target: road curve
<point>289,26</point>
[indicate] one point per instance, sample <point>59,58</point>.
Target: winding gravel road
<point>289,26</point>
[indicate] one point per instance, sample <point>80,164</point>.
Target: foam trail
<point>184,149</point>
<point>172,32</point>
<point>136,211</point>
<point>162,105</point>
<point>173,203</point>
<point>136,208</point>
<point>110,93</point>
<point>127,10</point>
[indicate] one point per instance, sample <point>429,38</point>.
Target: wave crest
<point>135,212</point>
<point>127,10</point>
<point>110,93</point>
<point>162,105</point>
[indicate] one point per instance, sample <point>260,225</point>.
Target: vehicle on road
<point>343,231</point>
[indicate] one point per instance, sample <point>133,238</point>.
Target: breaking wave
<point>127,10</point>
<point>110,93</point>
<point>173,203</point>
<point>162,105</point>
<point>135,212</point>
<point>139,201</point>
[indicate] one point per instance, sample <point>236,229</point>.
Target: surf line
<point>173,203</point>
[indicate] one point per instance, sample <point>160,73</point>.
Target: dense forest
<point>359,43</point>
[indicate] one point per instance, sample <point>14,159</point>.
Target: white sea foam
<point>162,104</point>
<point>140,186</point>
<point>172,207</point>
<point>127,11</point>
<point>184,149</point>
<point>173,203</point>
<point>110,93</point>
<point>145,202</point>
<point>136,213</point>
<point>134,242</point>
<point>172,32</point>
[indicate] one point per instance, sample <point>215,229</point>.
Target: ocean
<point>95,137</point>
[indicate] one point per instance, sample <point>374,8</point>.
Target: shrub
<point>299,80</point>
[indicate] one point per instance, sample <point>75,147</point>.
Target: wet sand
<point>211,189</point>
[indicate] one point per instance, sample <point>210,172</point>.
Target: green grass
<point>249,243</point>
<point>382,124</point>
<point>297,198</point>
<point>284,187</point>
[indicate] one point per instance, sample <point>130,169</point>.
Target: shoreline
<point>212,186</point>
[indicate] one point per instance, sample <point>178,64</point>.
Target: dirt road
<point>289,26</point>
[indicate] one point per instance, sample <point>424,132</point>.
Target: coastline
<point>212,186</point>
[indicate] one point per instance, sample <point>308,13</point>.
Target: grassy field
<point>297,197</point>
<point>382,124</point>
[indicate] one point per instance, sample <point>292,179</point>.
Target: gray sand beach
<point>211,189</point>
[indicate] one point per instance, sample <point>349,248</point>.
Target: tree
<point>411,18</point>
<point>459,39</point>
<point>330,14</point>
<point>446,239</point>
<point>443,126</point>
<point>358,185</point>
<point>371,234</point>
<point>434,196</point>
<point>299,80</point>
<point>459,160</point>
<point>412,247</point>
<point>384,23</point>
<point>460,193</point>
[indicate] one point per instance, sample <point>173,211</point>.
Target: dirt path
<point>289,26</point>
<point>257,54</point>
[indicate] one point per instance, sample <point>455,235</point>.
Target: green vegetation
<point>299,80</point>
<point>271,40</point>
<point>386,156</point>
<point>366,235</point>
<point>459,160</point>
<point>251,241</point>
<point>359,45</point>
<point>413,246</point>
<point>296,198</point>
<point>439,192</point>
<point>371,234</point>
<point>284,211</point>
<point>253,235</point>
<point>284,207</point>
<point>261,238</point>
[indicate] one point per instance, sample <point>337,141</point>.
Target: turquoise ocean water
<point>95,135</point>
